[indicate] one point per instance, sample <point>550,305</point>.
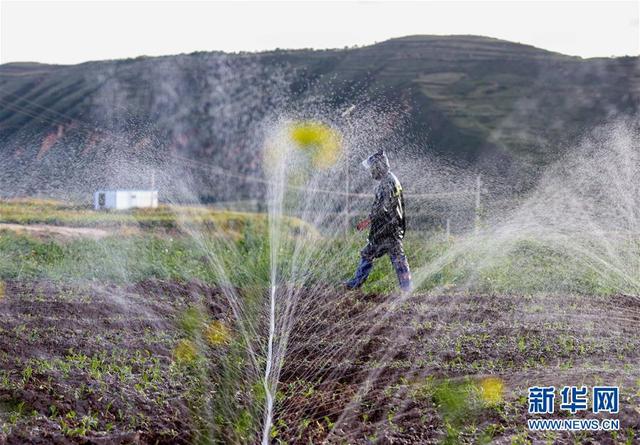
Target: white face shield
<point>377,164</point>
<point>376,160</point>
<point>367,163</point>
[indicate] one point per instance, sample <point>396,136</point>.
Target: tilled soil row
<point>92,364</point>
<point>373,368</point>
<point>96,363</point>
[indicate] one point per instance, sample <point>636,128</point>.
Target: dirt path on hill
<point>61,231</point>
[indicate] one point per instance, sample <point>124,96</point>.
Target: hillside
<point>503,107</point>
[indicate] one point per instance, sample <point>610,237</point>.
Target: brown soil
<point>59,232</point>
<point>376,366</point>
<point>96,364</point>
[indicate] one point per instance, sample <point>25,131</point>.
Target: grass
<point>527,268</point>
<point>151,256</point>
<point>44,211</point>
<point>182,243</point>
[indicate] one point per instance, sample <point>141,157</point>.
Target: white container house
<point>124,199</point>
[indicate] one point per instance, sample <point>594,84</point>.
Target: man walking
<point>387,222</point>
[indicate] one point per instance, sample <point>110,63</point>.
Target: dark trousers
<point>374,250</point>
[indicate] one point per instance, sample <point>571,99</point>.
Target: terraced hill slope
<point>504,107</point>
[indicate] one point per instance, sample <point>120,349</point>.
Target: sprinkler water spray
<point>348,111</point>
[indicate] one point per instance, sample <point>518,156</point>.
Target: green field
<point>132,337</point>
<point>160,244</point>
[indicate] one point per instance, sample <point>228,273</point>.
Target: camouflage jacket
<point>387,213</point>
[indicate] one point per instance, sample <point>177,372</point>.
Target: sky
<point>68,32</point>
